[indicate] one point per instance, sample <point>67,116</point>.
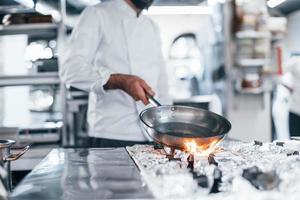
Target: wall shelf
<point>36,31</point>
<point>255,62</point>
<point>250,91</point>
<point>34,79</point>
<point>9,9</point>
<point>30,29</point>
<point>253,35</point>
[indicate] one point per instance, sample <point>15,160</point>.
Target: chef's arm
<point>78,70</point>
<point>133,85</point>
<point>77,66</point>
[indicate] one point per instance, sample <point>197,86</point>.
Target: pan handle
<point>16,156</point>
<point>153,101</point>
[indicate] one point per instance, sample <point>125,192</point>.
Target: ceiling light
<point>179,10</point>
<point>274,3</point>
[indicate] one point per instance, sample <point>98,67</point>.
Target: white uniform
<point>293,66</point>
<point>110,38</point>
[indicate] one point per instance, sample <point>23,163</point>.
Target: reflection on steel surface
<point>84,174</point>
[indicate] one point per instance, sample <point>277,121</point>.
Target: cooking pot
<point>6,156</point>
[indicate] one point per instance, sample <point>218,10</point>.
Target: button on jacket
<point>110,38</point>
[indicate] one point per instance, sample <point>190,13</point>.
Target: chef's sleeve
<point>163,84</point>
<point>77,60</point>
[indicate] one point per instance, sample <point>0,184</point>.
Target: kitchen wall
<point>293,32</point>
<point>203,26</point>
<point>173,25</point>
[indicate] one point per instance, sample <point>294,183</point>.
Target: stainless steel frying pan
<point>173,126</point>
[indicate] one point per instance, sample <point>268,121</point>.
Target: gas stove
<point>229,170</point>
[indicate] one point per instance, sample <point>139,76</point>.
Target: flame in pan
<point>203,149</point>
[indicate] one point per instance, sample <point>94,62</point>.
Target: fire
<point>205,149</point>
<point>191,147</point>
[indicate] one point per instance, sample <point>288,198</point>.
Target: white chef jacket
<point>293,66</point>
<point>110,38</point>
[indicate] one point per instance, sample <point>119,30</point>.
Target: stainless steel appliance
<point>6,156</point>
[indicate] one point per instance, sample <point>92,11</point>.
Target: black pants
<point>294,123</point>
<point>105,143</point>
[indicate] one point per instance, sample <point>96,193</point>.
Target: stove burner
<point>191,162</point>
<point>173,159</point>
<point>258,143</point>
<point>281,179</point>
<point>279,144</point>
<point>293,154</point>
<point>201,179</point>
<point>158,146</point>
<point>211,159</point>
<point>217,181</point>
<point>261,180</point>
<point>170,155</point>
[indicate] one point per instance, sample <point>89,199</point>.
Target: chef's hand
<point>133,85</point>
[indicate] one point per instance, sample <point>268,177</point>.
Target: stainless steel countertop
<point>32,157</point>
<point>79,174</point>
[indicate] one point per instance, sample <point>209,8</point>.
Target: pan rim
<point>188,107</point>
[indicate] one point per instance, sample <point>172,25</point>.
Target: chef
<point>115,53</point>
<point>293,66</point>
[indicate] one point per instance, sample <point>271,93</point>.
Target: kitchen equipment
<point>175,126</point>
<point>9,133</point>
<point>25,18</point>
<point>295,138</point>
<point>6,157</point>
<point>251,81</point>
